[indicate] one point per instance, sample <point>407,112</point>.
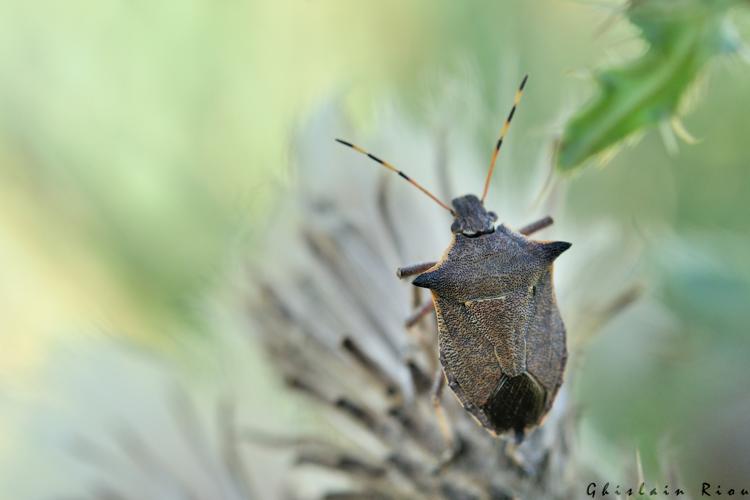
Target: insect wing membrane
<point>480,341</point>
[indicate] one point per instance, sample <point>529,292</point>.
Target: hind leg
<point>420,312</point>
<point>452,445</point>
<point>438,386</point>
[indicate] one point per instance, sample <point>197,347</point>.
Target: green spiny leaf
<point>682,36</point>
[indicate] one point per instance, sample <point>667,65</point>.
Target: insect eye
<point>533,290</point>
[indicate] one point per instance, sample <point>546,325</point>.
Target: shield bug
<point>500,335</point>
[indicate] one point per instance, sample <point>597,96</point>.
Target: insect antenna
<point>399,172</point>
<point>503,131</point>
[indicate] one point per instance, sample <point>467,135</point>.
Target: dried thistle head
<point>325,305</point>
<point>331,314</point>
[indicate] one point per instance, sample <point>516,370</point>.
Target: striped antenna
<point>503,131</point>
<point>399,172</point>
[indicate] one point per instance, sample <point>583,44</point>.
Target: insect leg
<point>423,310</point>
<point>536,226</point>
<point>406,271</point>
<point>437,393</point>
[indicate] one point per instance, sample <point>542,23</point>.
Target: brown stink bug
<point>501,338</point>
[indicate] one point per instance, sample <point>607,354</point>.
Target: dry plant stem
<point>598,317</point>
<point>369,366</point>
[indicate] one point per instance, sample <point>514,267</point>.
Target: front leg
<point>536,226</point>
<point>406,271</point>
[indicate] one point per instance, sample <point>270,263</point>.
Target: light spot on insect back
<point>473,302</point>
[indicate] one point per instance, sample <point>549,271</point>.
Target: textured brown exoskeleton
<point>500,334</point>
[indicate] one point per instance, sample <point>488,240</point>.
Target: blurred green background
<point>142,142</point>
